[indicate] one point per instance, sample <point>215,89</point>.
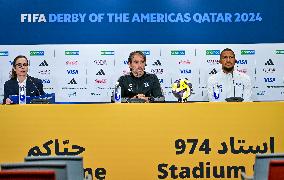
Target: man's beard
<point>228,69</point>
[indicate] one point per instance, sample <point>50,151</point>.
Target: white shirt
<point>236,84</point>
<point>24,83</point>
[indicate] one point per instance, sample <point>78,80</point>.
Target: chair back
<point>276,170</point>
<point>74,164</point>
<point>261,165</point>
<point>24,175</point>
<point>59,168</point>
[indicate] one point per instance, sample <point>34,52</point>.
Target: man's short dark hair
<point>226,49</point>
<point>131,55</point>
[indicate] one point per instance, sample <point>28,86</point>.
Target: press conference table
<point>131,141</point>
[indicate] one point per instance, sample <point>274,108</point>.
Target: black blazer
<point>34,87</point>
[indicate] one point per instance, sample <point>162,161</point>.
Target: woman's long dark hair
<point>14,75</point>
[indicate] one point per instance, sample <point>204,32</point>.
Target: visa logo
<point>185,71</point>
<point>45,81</point>
<point>242,61</point>
<point>146,52</point>
<point>279,51</point>
<point>178,52</point>
<point>212,52</point>
<point>269,79</point>
<point>4,53</point>
<point>70,53</point>
<point>125,62</point>
<point>161,81</point>
<point>247,52</point>
<point>72,71</point>
<point>36,53</point>
<point>107,53</point>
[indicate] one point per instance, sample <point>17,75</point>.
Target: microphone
<point>29,77</point>
<point>234,98</point>
<point>234,84</point>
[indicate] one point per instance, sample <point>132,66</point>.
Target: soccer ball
<point>182,89</point>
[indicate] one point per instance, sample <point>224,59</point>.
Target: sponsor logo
<point>269,63</point>
<point>72,81</point>
<point>71,53</point>
<point>95,94</point>
<point>184,62</point>
<point>279,52</point>
<point>72,94</point>
<point>45,88</point>
<point>36,53</point>
<point>125,62</point>
<point>247,52</point>
<point>242,61</point>
<point>213,61</point>
<point>185,71</point>
<point>146,52</point>
<point>101,73</point>
<point>212,52</point>
<point>45,81</point>
<point>73,88</point>
<point>4,53</point>
<point>43,63</point>
<point>214,71</point>
<point>261,93</point>
<point>177,52</point>
<point>157,63</point>
<point>242,70</point>
<point>269,79</point>
<point>11,62</point>
<point>107,53</point>
<point>33,18</point>
<point>275,86</point>
<point>44,72</point>
<point>72,71</point>
<point>101,81</point>
<point>73,63</point>
<point>268,70</point>
<point>157,71</point>
<point>100,62</point>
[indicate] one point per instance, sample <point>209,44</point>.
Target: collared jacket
<point>34,87</point>
<point>236,84</point>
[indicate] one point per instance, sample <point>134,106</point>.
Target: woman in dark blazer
<point>20,75</point>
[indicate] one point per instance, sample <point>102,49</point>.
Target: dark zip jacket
<point>148,84</point>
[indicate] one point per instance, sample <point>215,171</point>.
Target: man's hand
<point>8,101</point>
<point>142,96</point>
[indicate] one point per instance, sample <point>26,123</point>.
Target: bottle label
<point>22,95</point>
<point>117,94</point>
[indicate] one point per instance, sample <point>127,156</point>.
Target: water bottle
<point>117,93</point>
<point>22,94</point>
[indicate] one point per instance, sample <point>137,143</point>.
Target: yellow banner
<point>146,141</point>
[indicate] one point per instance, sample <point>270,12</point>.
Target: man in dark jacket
<point>140,84</point>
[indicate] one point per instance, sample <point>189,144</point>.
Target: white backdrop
<point>87,73</point>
